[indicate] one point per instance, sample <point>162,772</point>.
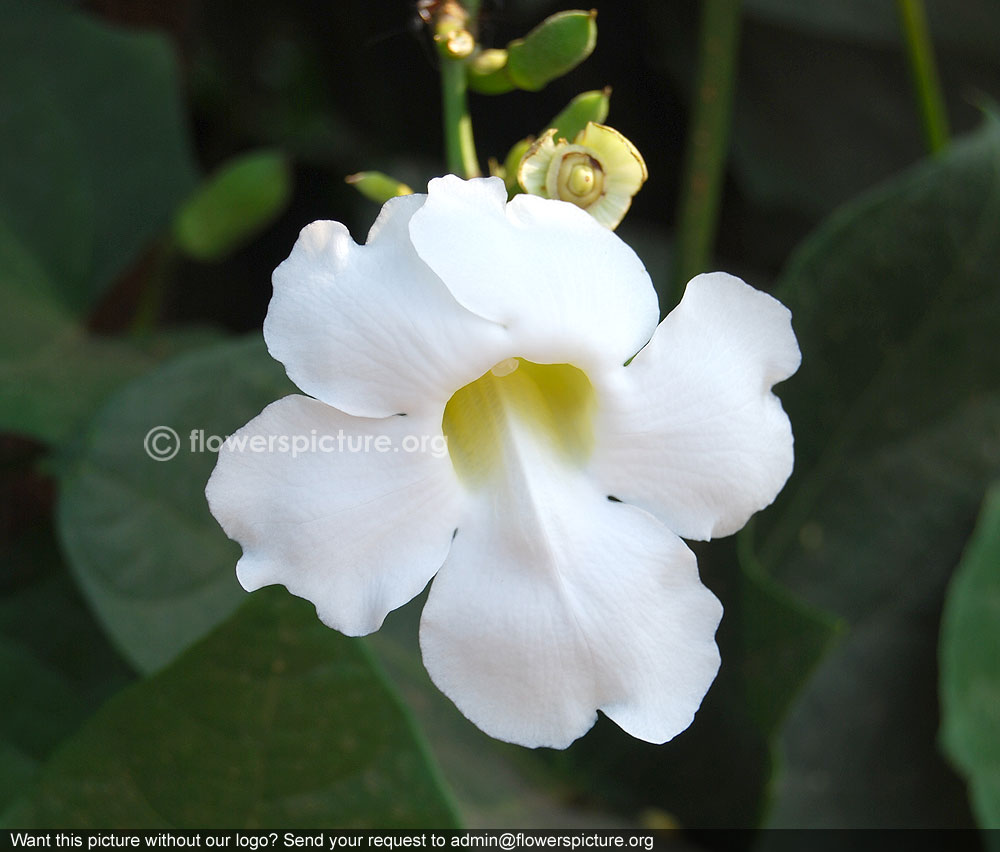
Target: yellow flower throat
<point>552,402</point>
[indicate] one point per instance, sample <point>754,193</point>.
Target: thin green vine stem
<point>708,139</point>
<point>923,69</point>
<point>460,147</point>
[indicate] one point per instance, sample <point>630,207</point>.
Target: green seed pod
<point>557,45</point>
<point>233,204</point>
<point>377,186</point>
<point>585,107</point>
<point>488,73</point>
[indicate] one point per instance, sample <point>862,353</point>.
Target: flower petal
<point>690,430</point>
<point>555,602</point>
<point>356,532</point>
<point>567,289</point>
<point>370,329</point>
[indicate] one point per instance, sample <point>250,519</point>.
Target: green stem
<point>460,148</point>
<point>708,139</point>
<point>923,68</point>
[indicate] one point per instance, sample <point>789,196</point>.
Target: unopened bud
<point>377,186</point>
<point>459,44</point>
<point>553,48</point>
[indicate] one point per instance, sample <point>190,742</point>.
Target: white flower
<point>505,328</point>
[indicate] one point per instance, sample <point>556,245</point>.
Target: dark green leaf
<point>17,770</point>
<point>55,664</point>
<point>80,100</point>
<point>970,665</point>
<point>39,345</point>
<point>784,640</point>
<point>897,417</point>
<point>273,721</point>
<point>154,564</point>
<point>54,374</point>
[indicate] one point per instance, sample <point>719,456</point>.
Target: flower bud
<point>585,107</point>
<point>488,73</point>
<point>599,171</point>
<point>553,48</point>
<point>240,199</point>
<point>377,186</point>
<point>456,44</point>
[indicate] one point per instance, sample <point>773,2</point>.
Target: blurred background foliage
<point>156,163</point>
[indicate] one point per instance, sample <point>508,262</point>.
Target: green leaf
<point>54,374</point>
<point>152,561</point>
<point>553,48</point>
<point>896,411</point>
<point>53,659</point>
<point>584,108</point>
<point>82,102</point>
<point>273,721</point>
<point>244,196</point>
<point>43,709</point>
<point>970,665</point>
<point>93,154</point>
<point>784,640</point>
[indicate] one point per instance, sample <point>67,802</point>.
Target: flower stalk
<point>923,69</point>
<point>708,139</point>
<point>455,45</point>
